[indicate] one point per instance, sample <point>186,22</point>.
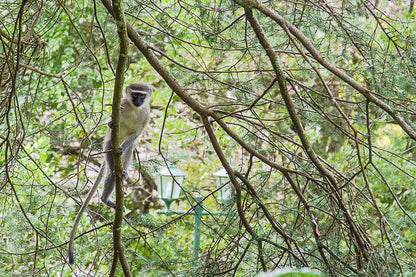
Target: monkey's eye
<point>139,95</point>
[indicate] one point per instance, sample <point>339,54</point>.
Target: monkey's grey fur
<point>134,115</point>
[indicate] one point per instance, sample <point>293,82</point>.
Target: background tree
<point>309,106</point>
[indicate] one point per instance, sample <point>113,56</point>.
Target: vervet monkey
<point>134,115</point>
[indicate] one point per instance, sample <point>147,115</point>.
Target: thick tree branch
<point>118,91</point>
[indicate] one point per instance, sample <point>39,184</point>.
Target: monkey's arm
<point>129,141</point>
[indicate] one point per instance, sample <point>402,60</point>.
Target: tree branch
<point>118,90</point>
<point>288,27</point>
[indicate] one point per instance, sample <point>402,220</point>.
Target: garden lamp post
<point>169,187</point>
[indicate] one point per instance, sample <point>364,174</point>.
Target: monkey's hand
<point>110,124</point>
<point>120,151</point>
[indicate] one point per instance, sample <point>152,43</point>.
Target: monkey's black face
<point>138,98</point>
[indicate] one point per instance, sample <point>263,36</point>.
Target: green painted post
<point>197,227</point>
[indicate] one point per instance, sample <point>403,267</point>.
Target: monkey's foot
<point>111,204</point>
<point>108,202</point>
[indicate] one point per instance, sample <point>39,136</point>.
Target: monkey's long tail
<point>80,212</point>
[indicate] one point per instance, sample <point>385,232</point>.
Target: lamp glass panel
<point>176,187</point>
<point>168,188</point>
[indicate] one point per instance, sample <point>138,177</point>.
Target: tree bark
<point>118,16</point>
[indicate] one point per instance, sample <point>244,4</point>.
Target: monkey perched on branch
<point>134,115</point>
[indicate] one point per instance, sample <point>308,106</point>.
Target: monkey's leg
<point>109,181</point>
<point>126,159</point>
<point>108,189</point>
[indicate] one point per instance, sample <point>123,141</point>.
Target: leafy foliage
<point>347,211</point>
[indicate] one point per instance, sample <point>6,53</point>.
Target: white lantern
<point>169,183</point>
